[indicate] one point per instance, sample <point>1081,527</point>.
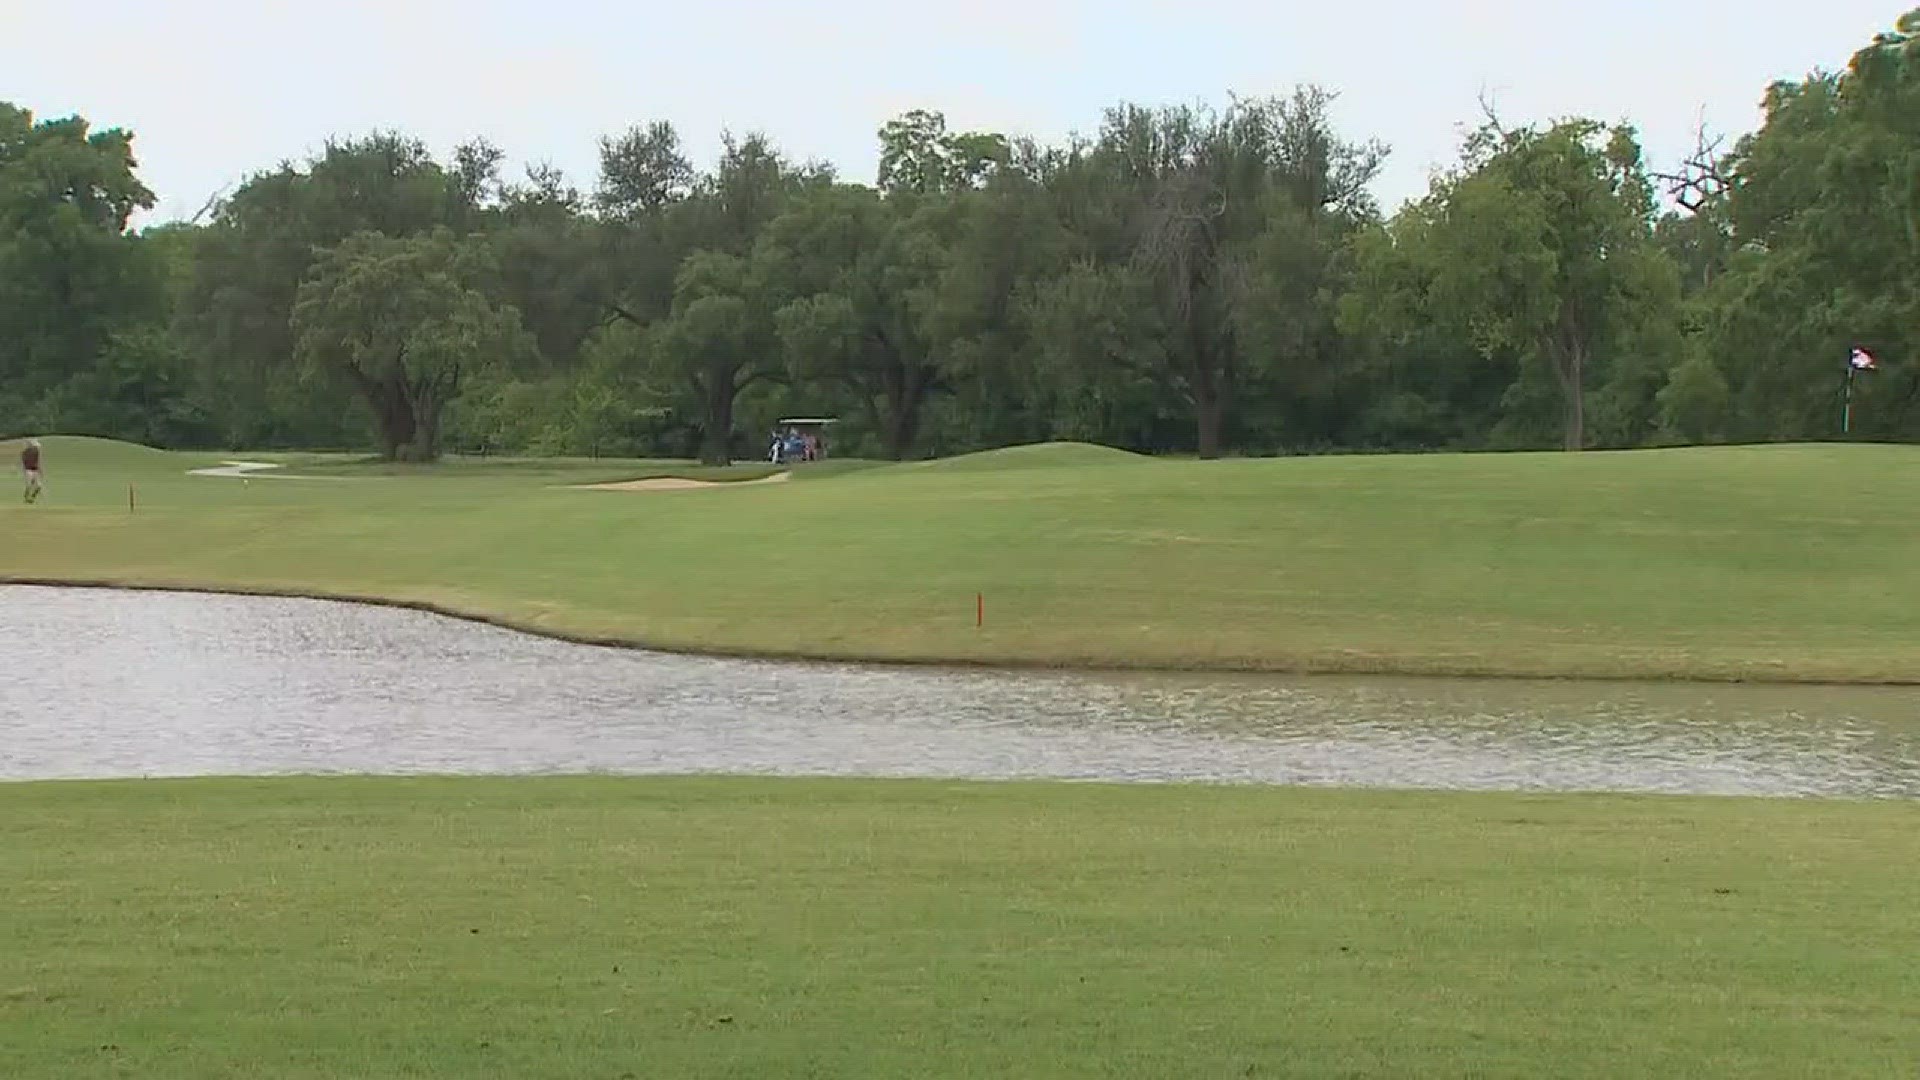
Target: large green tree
<point>860,277</point>
<point>1824,208</point>
<point>1175,207</point>
<point>643,229</point>
<point>401,322</point>
<point>71,277</point>
<point>1002,240</point>
<point>1538,253</point>
<point>919,155</point>
<point>718,341</point>
<point>260,246</point>
<point>710,334</point>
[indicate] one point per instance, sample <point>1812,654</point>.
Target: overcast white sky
<point>215,89</point>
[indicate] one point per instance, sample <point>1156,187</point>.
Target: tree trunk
<point>393,416</point>
<point>1209,394</point>
<point>716,442</point>
<point>903,429</point>
<point>903,415</point>
<point>1574,385</point>
<point>426,428</point>
<point>1210,412</point>
<point>1207,383</point>
<point>1566,351</point>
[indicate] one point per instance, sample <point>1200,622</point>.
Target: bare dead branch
<point>208,207</point>
<point>1701,177</point>
<point>1490,113</point>
<point>616,311</point>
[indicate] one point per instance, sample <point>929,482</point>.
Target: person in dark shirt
<point>30,464</point>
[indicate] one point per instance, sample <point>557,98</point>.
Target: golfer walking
<point>30,464</point>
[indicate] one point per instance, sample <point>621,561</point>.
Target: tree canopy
<point>400,322</point>
<point>1184,279</point>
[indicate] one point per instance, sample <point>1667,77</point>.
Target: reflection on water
<point>105,684</point>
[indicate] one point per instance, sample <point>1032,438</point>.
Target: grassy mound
<point>1053,455</point>
<point>821,470</point>
<point>84,454</point>
<point>1776,562</point>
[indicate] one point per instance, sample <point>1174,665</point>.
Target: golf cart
<point>800,438</point>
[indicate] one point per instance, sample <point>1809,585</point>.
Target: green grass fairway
<point>750,928</point>
<point>1773,562</point>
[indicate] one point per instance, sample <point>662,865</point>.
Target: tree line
<point>1183,279</point>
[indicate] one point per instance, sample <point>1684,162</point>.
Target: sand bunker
<point>235,468</point>
<point>680,483</point>
<point>257,470</point>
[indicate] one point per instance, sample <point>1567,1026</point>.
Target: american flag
<point>1863,360</point>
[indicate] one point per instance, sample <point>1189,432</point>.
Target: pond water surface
<point>125,684</point>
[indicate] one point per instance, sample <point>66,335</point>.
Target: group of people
<point>30,465</point>
<point>794,445</point>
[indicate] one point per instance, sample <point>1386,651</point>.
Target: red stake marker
<point>979,609</point>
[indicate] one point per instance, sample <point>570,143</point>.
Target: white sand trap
<point>261,469</point>
<point>680,483</point>
<point>234,468</point>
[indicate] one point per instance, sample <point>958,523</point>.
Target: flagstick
<point>1846,419</point>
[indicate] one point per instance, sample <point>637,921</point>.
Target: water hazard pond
<point>124,684</point>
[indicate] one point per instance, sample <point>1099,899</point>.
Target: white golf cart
<point>800,438</point>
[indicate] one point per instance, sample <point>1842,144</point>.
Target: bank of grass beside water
<point>1792,563</point>
<point>567,928</point>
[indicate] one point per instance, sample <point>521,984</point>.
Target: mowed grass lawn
<point>1772,562</point>
<point>587,928</point>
